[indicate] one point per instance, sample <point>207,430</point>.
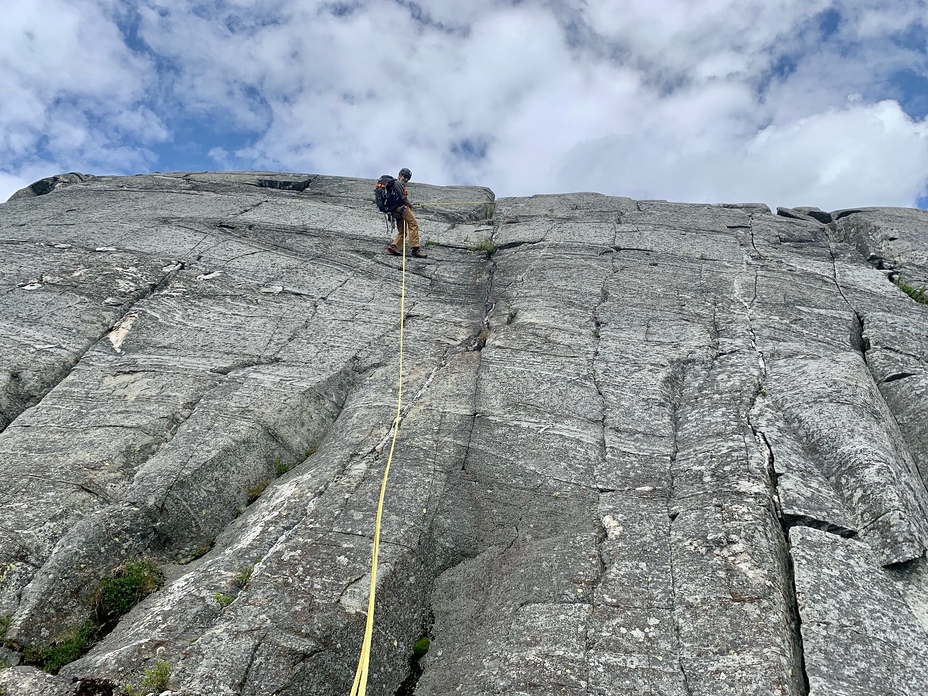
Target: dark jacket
<point>402,194</point>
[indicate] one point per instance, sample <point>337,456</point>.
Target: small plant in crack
<point>280,468</point>
<point>419,649</point>
<point>244,576</point>
<point>431,243</point>
<point>421,646</point>
<point>114,596</point>
<point>201,550</point>
<point>67,647</point>
<point>223,599</point>
<point>156,680</point>
<point>484,245</point>
<point>481,341</point>
<point>5,621</point>
<point>920,295</point>
<point>255,491</point>
<point>127,586</point>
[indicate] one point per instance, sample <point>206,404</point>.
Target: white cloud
<point>864,154</point>
<point>680,99</point>
<point>72,93</point>
<point>10,184</point>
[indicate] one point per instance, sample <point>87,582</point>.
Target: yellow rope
<point>360,678</point>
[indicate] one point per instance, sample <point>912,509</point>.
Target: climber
<point>405,220</point>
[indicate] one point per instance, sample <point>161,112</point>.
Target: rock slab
<point>645,447</point>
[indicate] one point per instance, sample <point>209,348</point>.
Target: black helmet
<point>406,173</point>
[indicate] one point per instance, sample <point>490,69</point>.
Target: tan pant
<point>406,223</point>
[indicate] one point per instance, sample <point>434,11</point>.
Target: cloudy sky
<point>789,103</point>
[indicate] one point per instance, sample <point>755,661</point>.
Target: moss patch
<point>125,588</point>
<point>66,648</point>
<point>114,596</point>
<point>255,491</point>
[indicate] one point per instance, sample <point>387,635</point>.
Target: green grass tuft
<point>126,587</point>
<point>66,648</point>
<point>280,468</point>
<point>918,294</point>
<point>157,677</point>
<point>114,596</point>
<point>484,245</point>
<point>156,680</point>
<point>243,577</point>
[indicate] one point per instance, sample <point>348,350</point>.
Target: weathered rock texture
<point>646,448</point>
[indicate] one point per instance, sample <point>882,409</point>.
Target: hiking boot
<point>417,252</point>
<point>392,249</point>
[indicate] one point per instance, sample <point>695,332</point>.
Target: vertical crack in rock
<point>437,558</point>
<point>489,302</point>
<point>675,397</point>
<point>252,657</point>
<point>836,280</point>
<point>790,579</point>
<point>788,569</point>
<point>858,339</point>
<point>408,686</point>
<point>602,534</point>
<point>910,488</point>
<point>785,560</point>
<point>594,373</point>
<point>754,274</point>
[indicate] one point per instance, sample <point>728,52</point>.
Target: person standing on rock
<point>405,220</point>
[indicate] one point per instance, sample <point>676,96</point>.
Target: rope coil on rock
<point>359,688</point>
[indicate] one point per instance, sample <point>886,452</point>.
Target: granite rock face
<point>645,447</point>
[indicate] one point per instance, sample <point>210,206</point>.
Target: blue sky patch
<point>469,149</point>
<point>829,22</point>
<point>191,142</point>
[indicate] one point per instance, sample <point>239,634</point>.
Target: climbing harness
<point>360,678</point>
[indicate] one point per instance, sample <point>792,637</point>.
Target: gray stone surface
<point>863,626</point>
<point>894,239</point>
<point>646,447</point>
<point>28,680</point>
